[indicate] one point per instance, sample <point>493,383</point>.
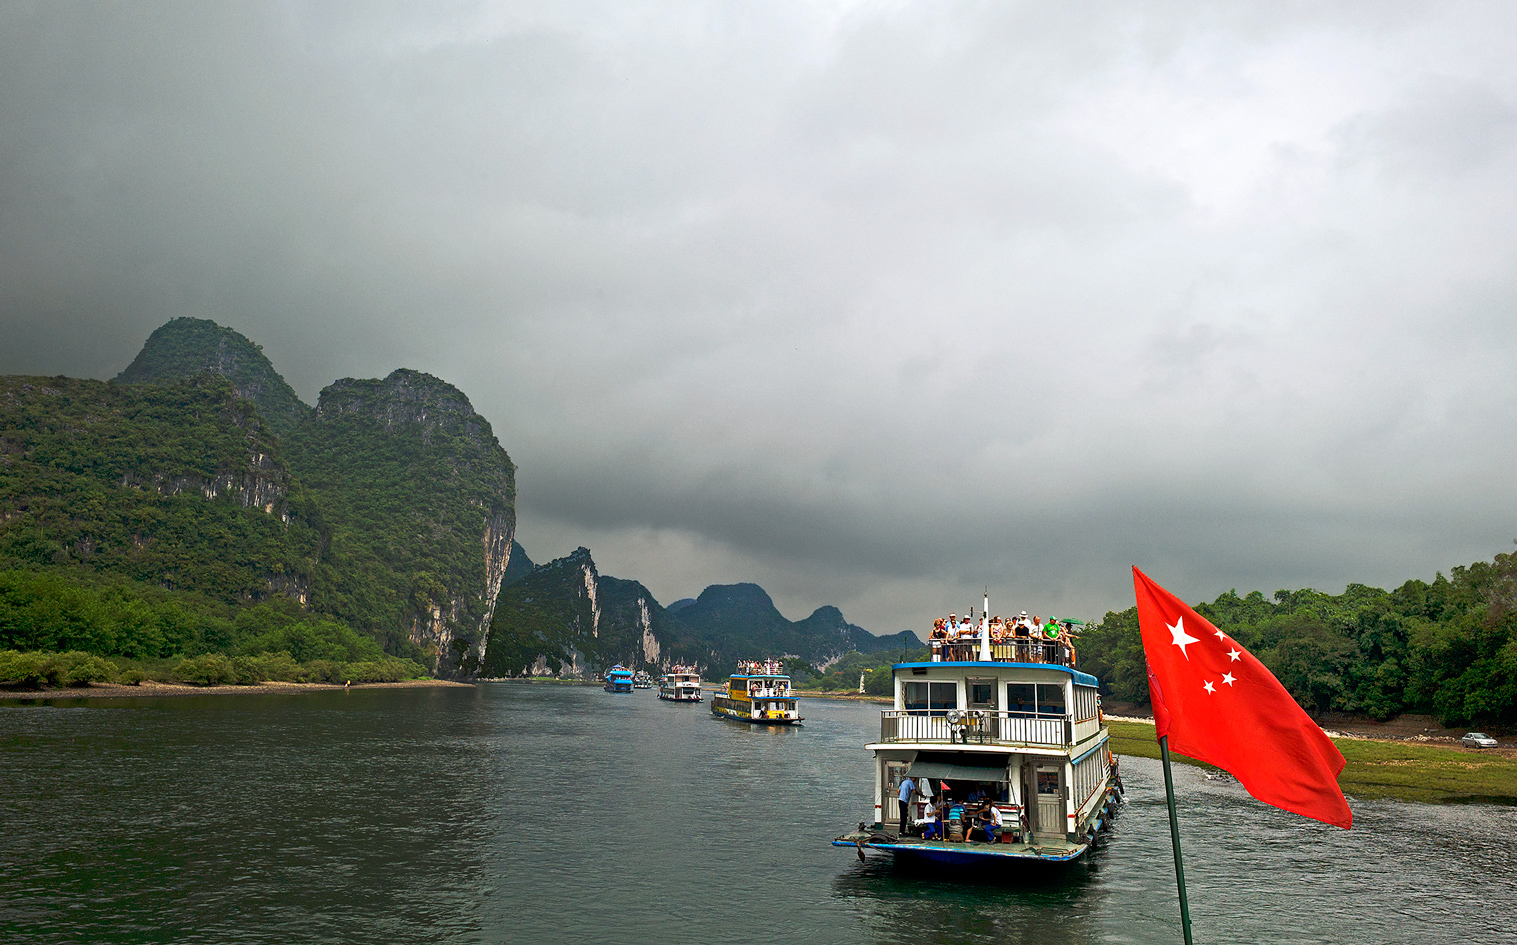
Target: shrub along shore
<point>157,690</point>
<point>36,670</point>
<point>1401,770</point>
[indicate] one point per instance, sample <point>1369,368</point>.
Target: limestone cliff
<point>420,499</point>
<point>566,619</point>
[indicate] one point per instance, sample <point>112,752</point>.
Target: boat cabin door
<point>1049,820</point>
<point>894,773</point>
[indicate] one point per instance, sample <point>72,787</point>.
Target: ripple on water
<point>521,813</point>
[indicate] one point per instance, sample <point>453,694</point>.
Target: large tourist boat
<point>618,679</point>
<point>1003,740</point>
<point>758,692</point>
<point>680,684</point>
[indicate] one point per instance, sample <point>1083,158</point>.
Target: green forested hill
<point>546,621</point>
<point>1448,648</point>
<point>419,500</point>
<point>390,508</point>
<point>181,486</point>
<point>519,565</point>
<point>185,347</point>
<point>157,523</point>
<point>566,618</point>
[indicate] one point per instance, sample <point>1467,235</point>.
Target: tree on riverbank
<point>1447,648</point>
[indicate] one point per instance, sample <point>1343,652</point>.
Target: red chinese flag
<point>1219,705</point>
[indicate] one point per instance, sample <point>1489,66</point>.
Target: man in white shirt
<point>989,824</point>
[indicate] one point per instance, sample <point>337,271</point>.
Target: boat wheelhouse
<point>758,692</point>
<point>998,718</point>
<point>618,679</point>
<point>680,685</point>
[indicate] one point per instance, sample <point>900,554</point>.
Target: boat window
<point>982,693</point>
<point>915,696</point>
<point>935,697</point>
<point>1085,703</point>
<point>1050,699</point>
<point>943,696</point>
<point>1021,698</point>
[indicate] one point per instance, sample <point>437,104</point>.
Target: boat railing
<point>769,692</point>
<point>974,726</point>
<point>1052,652</point>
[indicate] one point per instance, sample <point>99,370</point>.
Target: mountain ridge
<point>565,618</point>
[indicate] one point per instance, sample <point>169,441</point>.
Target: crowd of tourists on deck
<point>1002,629</point>
<point>1033,639</point>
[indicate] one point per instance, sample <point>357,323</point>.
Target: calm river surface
<point>530,813</point>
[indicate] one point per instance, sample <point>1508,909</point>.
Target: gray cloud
<point>875,304</point>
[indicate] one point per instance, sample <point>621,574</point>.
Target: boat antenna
<point>985,629</point>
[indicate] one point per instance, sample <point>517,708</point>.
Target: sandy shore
<point>160,689</point>
<point>849,696</point>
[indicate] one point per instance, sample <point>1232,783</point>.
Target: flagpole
<point>1174,835</point>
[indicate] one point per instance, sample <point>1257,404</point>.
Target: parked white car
<point>1478,740</point>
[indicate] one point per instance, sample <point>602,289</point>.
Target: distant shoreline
<point>149,689</point>
<point>1402,769</point>
<point>844,696</point>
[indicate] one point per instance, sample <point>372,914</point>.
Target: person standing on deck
<point>908,790</point>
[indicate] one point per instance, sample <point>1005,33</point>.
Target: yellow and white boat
<point>758,692</point>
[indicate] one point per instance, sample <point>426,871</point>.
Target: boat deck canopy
<point>956,770</point>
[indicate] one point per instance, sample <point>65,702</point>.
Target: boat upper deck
<point>988,704</point>
<point>756,679</point>
<point>760,687</point>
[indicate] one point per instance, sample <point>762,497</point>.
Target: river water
<point>514,812</point>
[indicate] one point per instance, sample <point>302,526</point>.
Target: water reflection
<point>917,903</point>
<point>247,819</point>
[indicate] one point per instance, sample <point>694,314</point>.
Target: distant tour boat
<point>680,685</point>
<point>642,680</point>
<point>618,679</point>
<point>758,692</point>
<point>1004,744</point>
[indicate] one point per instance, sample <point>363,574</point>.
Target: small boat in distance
<point>1003,742</point>
<point>618,679</point>
<point>642,680</point>
<point>758,692</point>
<point>680,684</point>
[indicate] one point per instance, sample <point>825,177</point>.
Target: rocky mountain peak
<point>405,398</point>
<point>185,347</point>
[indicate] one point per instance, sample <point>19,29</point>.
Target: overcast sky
<point>874,304</point>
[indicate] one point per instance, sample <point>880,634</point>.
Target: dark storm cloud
<point>874,304</point>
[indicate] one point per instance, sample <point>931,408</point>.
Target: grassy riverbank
<point>1407,771</point>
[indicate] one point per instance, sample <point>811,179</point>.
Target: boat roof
<point>783,676</point>
<point>1084,679</point>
